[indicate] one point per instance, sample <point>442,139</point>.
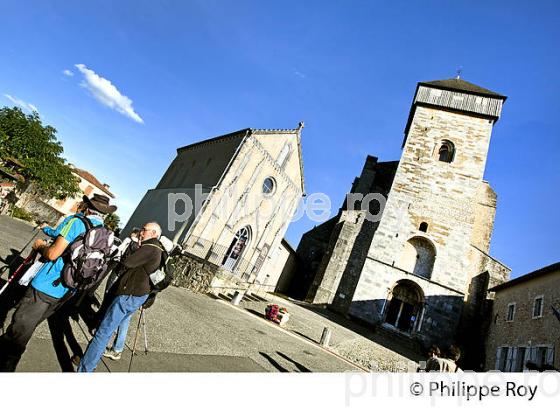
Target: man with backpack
<point>159,281</point>
<point>131,291</point>
<point>49,289</point>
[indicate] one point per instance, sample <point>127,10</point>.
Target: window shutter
<point>550,356</point>
<point>514,360</point>
<point>498,357</point>
<point>533,354</point>
<point>509,359</point>
<point>527,357</point>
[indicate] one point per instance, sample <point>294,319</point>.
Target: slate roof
<point>246,131</point>
<point>458,84</point>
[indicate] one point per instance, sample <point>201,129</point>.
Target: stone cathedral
<point>421,270</point>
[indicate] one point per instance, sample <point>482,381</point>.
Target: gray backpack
<point>87,257</point>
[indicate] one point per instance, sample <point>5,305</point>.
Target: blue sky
<point>169,73</point>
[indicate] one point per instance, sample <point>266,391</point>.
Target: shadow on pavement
<point>305,336</point>
<point>256,313</point>
<point>364,329</point>
<point>299,366</point>
<point>274,363</point>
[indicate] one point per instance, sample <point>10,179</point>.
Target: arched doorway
<point>236,248</point>
<point>405,306</point>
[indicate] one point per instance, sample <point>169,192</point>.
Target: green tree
<point>35,145</point>
<point>112,221</point>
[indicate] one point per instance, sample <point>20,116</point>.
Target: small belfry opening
<point>446,151</point>
<point>405,306</point>
<point>423,227</point>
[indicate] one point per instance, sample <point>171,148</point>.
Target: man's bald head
<point>150,230</point>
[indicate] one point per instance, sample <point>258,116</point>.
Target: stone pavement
<point>374,351</point>
<point>190,332</point>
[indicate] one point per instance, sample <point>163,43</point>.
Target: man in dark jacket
<point>132,290</point>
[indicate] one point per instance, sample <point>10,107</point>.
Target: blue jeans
<point>122,330</point>
<point>122,307</point>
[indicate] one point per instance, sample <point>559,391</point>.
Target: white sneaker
<point>111,354</point>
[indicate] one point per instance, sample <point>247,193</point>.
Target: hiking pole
<point>18,270</point>
<point>134,344</point>
<point>33,237</point>
<point>143,314</point>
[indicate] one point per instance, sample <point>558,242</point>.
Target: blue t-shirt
<point>69,229</point>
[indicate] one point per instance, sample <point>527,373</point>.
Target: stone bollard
<point>237,296</point>
<point>325,337</point>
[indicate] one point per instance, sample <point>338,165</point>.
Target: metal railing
<point>218,255</point>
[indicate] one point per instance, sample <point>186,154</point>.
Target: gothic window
<point>423,227</point>
<point>446,151</point>
<point>418,257</point>
<point>283,156</point>
<point>236,248</point>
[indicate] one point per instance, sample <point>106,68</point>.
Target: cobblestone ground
<point>363,351</point>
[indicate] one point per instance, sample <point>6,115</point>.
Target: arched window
<point>236,248</point>
<point>423,227</point>
<point>283,156</point>
<point>446,151</point>
<point>418,257</point>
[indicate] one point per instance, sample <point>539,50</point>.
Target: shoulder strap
<point>155,246</point>
<point>85,221</point>
<point>163,261</point>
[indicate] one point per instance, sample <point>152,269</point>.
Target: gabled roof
<point>458,84</point>
<point>555,267</point>
<point>215,139</point>
<point>90,178</point>
<point>247,131</point>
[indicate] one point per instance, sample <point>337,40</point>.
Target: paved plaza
<point>189,332</point>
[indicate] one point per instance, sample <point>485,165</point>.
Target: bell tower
<point>434,234</point>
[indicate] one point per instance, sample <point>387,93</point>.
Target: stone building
<point>88,184</point>
<point>525,322</point>
<point>228,200</point>
<point>422,268</point>
<point>54,210</point>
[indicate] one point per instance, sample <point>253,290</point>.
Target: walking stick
<point>23,249</point>
<point>143,314</point>
<point>135,338</point>
<point>18,270</point>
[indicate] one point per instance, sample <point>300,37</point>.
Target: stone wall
<point>191,272</point>
<point>350,239</point>
<point>443,305</point>
<point>524,331</point>
<point>311,250</point>
<point>40,210</point>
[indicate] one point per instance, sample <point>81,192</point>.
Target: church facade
<point>228,200</point>
<point>423,268</point>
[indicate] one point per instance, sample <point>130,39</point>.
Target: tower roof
<point>458,84</point>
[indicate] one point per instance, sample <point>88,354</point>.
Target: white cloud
<point>68,73</point>
<point>107,94</point>
<point>21,103</point>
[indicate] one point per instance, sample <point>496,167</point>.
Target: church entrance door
<point>235,250</point>
<point>403,308</point>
